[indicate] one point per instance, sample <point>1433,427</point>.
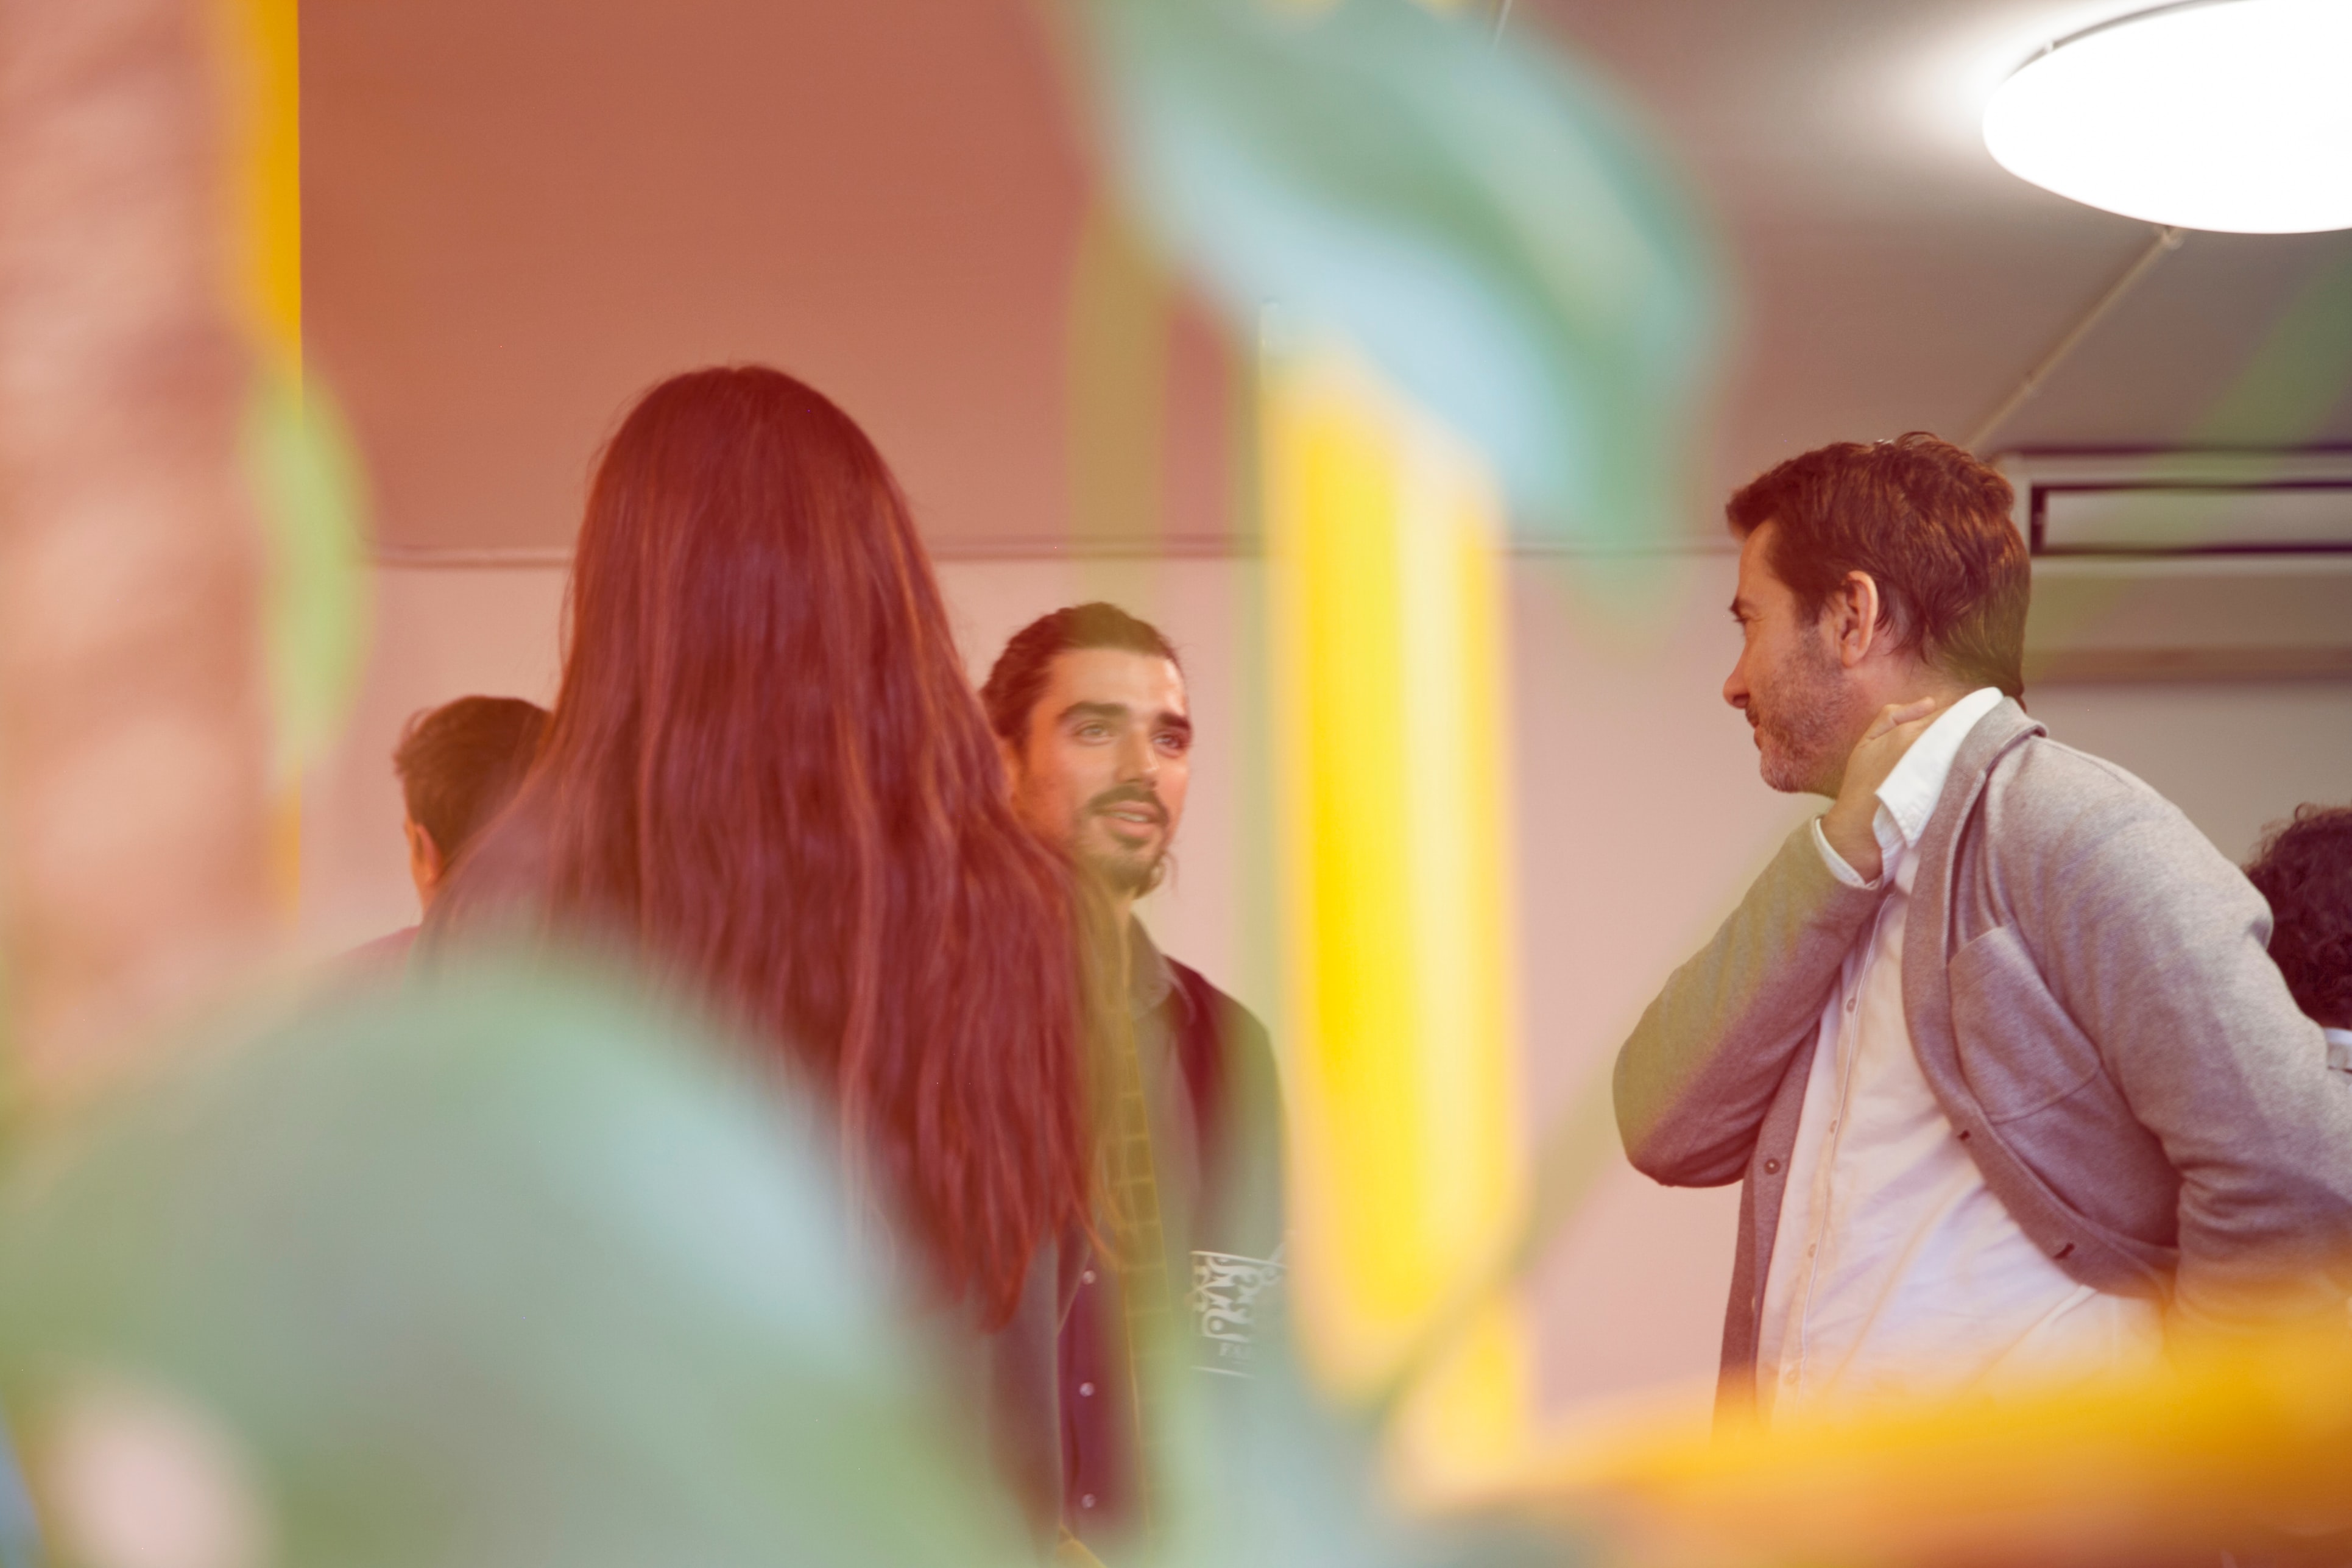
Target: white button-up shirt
<point>2339,1049</point>
<point>1896,1272</point>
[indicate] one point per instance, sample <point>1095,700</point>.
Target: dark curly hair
<point>2303,867</point>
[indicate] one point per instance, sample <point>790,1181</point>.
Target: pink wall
<point>1639,819</point>
<point>517,214</point>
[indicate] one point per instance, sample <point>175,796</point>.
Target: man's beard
<point>1132,875</point>
<point>1130,872</point>
<point>1805,725</point>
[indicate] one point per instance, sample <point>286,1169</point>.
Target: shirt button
<point>1088,1278</point>
<point>1771,1167</point>
<point>1810,1248</point>
<point>1086,1391</point>
<point>1849,1003</point>
<point>1087,1500</point>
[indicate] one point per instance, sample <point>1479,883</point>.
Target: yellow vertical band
<point>266,183</point>
<point>1386,615</point>
<point>263,100</point>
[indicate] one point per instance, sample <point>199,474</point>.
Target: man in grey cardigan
<point>1993,1044</point>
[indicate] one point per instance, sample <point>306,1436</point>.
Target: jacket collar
<point>1151,977</point>
<point>1996,734</point>
<point>1913,790</point>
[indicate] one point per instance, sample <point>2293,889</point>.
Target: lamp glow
<point>2216,114</point>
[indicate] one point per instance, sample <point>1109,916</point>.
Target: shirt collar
<point>1910,792</point>
<point>1148,978</point>
<point>2339,1049</point>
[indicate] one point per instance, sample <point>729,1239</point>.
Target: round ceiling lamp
<point>2217,114</point>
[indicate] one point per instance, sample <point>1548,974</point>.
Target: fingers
<point>1910,712</point>
<point>1896,715</point>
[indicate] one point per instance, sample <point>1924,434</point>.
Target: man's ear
<point>425,867</point>
<point>1855,617</point>
<point>1011,756</point>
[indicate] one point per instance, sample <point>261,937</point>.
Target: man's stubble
<point>1806,722</point>
<point>1131,873</point>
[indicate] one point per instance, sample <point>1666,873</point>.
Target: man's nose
<point>1734,686</point>
<point>1137,759</point>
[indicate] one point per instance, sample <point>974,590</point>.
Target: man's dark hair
<point>1929,522</point>
<point>2303,867</point>
<point>459,764</point>
<point>1021,669</point>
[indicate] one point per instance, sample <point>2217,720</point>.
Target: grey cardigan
<point>2088,991</point>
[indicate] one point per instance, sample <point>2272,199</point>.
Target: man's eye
<point>1171,741</point>
<point>1093,731</point>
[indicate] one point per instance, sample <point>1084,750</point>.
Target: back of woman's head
<point>767,770</point>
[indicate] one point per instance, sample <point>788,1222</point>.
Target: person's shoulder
<point>2057,813</point>
<point>386,954</point>
<point>2051,763</point>
<point>2045,784</point>
<point>381,965</point>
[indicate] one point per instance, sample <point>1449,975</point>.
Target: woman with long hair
<point>766,773</point>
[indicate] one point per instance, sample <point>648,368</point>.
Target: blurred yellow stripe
<point>1386,617</point>
<point>266,174</point>
<point>262,90</point>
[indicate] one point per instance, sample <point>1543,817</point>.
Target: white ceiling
<point>1894,277</point>
<point>517,214</point>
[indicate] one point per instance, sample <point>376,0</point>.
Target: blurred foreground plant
<point>511,1272</point>
<point>1480,216</point>
<point>517,1267</point>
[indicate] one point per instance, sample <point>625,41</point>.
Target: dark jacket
<point>1219,1181</point>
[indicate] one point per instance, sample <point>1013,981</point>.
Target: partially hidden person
<point>1091,710</point>
<point>2302,869</point>
<point>1993,1044</point>
<point>458,765</point>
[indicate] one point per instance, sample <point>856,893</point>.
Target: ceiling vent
<point>2187,565</point>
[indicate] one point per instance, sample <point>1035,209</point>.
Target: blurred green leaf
<point>1480,216</point>
<point>514,1271</point>
<point>306,482</point>
<point>515,1267</point>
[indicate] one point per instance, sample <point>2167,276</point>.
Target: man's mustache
<point>1128,795</point>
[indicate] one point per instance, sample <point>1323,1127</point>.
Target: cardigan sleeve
<point>1696,1076</point>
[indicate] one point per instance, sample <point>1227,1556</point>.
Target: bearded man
<point>1993,1043</point>
<point>1094,724</point>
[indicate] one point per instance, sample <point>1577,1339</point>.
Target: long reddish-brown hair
<point>767,771</point>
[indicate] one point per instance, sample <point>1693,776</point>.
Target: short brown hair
<point>459,764</point>
<point>1931,526</point>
